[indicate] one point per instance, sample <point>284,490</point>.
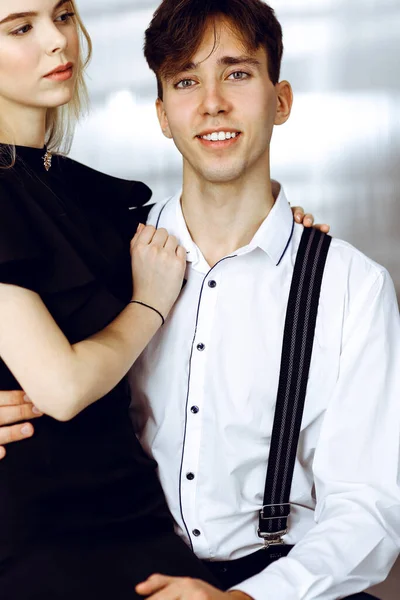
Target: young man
<point>207,383</point>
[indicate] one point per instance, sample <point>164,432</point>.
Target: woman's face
<point>36,37</point>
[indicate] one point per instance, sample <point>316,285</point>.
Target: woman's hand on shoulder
<point>308,219</point>
<point>158,268</point>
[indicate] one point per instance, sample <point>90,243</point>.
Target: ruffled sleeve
<point>23,254</point>
<point>67,230</point>
<point>122,201</point>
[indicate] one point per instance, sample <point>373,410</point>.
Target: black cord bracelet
<point>151,308</point>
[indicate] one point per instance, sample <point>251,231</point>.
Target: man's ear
<point>284,105</point>
<point>162,118</point>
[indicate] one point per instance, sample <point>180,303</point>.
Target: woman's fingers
<point>171,243</point>
<point>144,235</point>
<point>181,253</point>
<point>160,238</point>
<point>298,213</point>
<point>136,236</point>
<point>148,235</point>
<point>323,227</point>
<point>308,220</point>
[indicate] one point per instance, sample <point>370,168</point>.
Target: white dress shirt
<point>204,394</point>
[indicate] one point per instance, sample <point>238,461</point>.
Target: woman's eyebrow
<point>22,15</point>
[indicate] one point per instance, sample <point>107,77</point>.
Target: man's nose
<point>214,101</point>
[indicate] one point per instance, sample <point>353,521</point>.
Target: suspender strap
<point>301,317</point>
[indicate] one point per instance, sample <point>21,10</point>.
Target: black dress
<point>82,513</point>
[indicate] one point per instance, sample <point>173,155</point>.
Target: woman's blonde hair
<point>61,121</point>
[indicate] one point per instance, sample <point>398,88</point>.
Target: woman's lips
<point>61,75</point>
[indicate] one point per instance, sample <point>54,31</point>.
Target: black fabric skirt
<point>97,569</point>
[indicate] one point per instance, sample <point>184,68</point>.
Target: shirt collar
<point>273,236</point>
<point>276,231</point>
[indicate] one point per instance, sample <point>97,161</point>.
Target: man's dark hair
<point>178,27</point>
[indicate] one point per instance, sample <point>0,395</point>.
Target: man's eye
<point>238,75</point>
<point>184,83</point>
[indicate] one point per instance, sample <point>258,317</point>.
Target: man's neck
<point>221,218</point>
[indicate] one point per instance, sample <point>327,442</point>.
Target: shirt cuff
<point>267,586</point>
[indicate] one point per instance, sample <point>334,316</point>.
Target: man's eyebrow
<point>23,15</point>
<point>226,61</point>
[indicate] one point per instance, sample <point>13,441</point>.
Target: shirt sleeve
<point>356,538</point>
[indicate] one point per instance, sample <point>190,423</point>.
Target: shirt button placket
<point>190,485</point>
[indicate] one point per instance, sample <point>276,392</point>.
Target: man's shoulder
<point>347,256</point>
<point>357,274</point>
<point>343,257</point>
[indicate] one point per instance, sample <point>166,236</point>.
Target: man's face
<point>221,109</point>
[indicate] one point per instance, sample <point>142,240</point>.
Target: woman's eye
<point>22,30</point>
<point>65,17</point>
<point>185,83</point>
<point>238,75</point>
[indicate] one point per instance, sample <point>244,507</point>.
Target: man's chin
<point>221,176</point>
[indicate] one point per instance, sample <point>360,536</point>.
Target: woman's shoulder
<point>99,186</point>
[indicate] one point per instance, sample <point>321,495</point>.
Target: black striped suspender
<point>298,340</point>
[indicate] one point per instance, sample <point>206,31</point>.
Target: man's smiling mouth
<point>219,136</point>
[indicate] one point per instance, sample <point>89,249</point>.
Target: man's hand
<point>307,219</point>
<point>161,587</point>
<point>15,407</point>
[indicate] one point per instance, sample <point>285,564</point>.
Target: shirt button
<point>201,347</point>
<point>190,476</point>
<point>196,532</point>
<point>212,284</point>
<point>194,410</point>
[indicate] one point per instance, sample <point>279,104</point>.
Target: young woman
<point>82,514</point>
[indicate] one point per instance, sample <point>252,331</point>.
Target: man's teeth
<point>219,136</point>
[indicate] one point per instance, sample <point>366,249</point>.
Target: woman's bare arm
<point>62,380</point>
